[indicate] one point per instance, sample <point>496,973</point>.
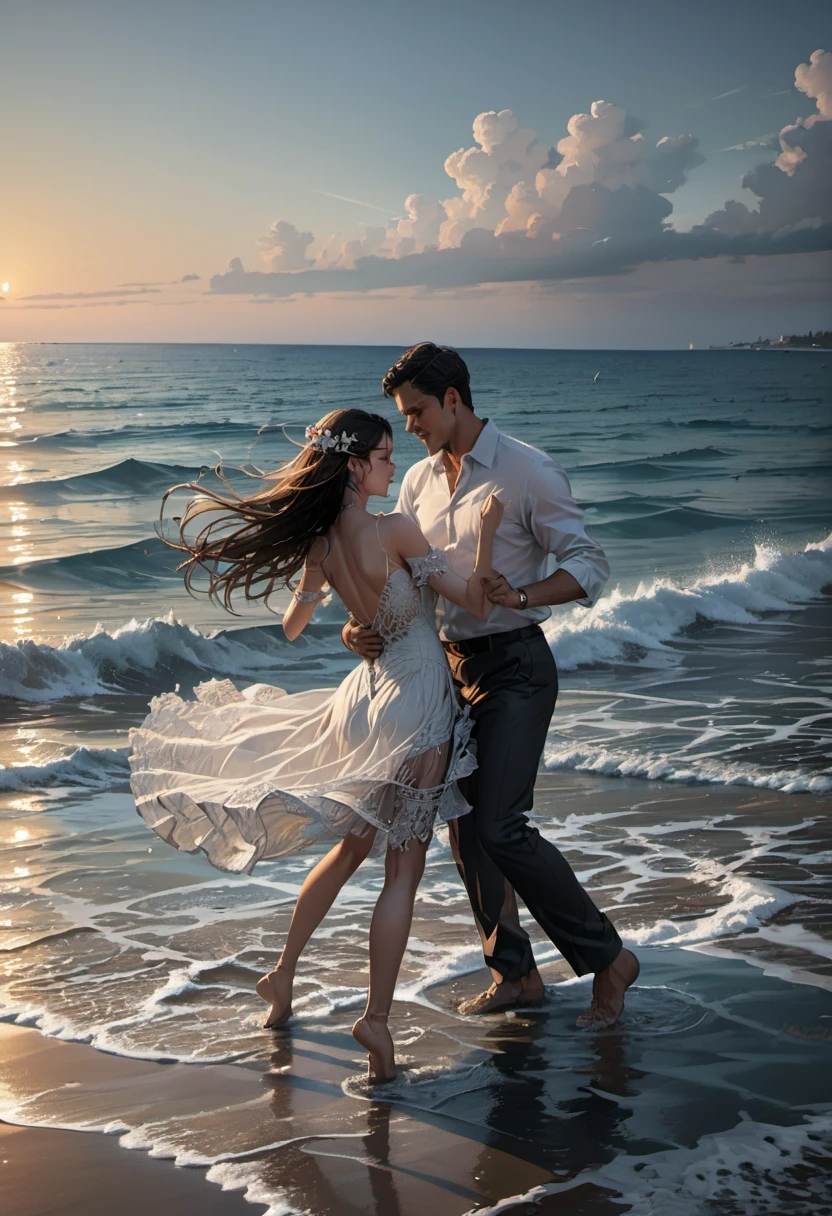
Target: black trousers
<point>510,683</point>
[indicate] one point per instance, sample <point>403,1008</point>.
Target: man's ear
<point>451,399</point>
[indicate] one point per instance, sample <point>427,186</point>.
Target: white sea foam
<point>249,1178</point>
<point>751,903</point>
<point>745,1169</point>
<point>139,652</point>
<point>94,768</point>
<point>636,627</point>
<point>622,627</point>
<point>618,762</point>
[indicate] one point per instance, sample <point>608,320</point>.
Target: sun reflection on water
<point>21,550</point>
<point>9,406</point>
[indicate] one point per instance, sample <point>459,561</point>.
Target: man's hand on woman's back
<point>362,641</point>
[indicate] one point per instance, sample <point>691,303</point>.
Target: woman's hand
<point>500,591</point>
<point>492,512</point>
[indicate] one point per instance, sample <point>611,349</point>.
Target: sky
<point>536,174</point>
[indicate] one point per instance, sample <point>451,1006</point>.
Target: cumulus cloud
<point>598,153</point>
<point>284,247</point>
<point>505,157</point>
<point>595,204</point>
<point>486,258</point>
<point>797,187</point>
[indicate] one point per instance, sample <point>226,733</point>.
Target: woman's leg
<point>317,895</point>
<point>389,931</point>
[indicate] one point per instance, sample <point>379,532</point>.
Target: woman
<point>257,773</point>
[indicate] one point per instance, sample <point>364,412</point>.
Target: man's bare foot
<point>608,989</point>
<point>276,988</point>
<point>509,994</point>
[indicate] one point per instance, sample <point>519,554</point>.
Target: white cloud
<point>506,156</point>
<point>284,248</point>
<point>797,187</point>
<point>596,205</point>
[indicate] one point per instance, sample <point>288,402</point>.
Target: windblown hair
<point>432,370</point>
<point>260,542</point>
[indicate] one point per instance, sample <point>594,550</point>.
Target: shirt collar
<point>483,451</point>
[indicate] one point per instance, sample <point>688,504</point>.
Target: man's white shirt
<point>541,518</point>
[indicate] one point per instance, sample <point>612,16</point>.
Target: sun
<point>5,287</point>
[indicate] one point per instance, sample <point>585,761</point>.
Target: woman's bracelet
<point>309,597</point>
<point>524,599</point>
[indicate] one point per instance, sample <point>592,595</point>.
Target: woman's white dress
<point>255,773</point>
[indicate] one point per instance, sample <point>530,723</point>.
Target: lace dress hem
<point>244,823</point>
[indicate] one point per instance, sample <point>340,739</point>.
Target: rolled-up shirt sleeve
<point>557,524</point>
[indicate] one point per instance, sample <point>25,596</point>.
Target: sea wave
<point>637,627</point>
<point>667,521</point>
<point>93,768</point>
<point>126,478</point>
<point>623,628</point>
<point>616,762</point>
<point>686,454</point>
<point>744,424</point>
<point>117,569</point>
<point>258,429</point>
<point>149,656</point>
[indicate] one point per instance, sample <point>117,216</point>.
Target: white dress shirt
<point>541,518</point>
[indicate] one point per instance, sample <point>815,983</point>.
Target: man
<point>504,670</point>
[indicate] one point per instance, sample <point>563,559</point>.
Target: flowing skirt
<point>254,773</point>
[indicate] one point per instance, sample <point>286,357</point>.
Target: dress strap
<point>378,538</point>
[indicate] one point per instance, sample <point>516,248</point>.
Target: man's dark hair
<point>432,370</point>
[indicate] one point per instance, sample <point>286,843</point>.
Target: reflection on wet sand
<point>145,956</point>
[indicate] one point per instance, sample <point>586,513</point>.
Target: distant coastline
<point>822,340</point>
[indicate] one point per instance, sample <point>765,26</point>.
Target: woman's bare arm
<point>313,580</point>
<point>468,593</point>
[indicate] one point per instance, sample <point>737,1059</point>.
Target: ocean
<point>687,777</point>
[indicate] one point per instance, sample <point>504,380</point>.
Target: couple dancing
<point>452,646</point>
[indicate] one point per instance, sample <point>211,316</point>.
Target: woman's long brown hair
<point>277,527</point>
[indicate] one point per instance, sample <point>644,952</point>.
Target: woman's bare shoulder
<point>398,526</point>
<point>403,534</point>
<point>318,552</point>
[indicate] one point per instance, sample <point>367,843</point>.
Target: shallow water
<point>706,476</point>
<point>718,1065</point>
<point>687,779</point>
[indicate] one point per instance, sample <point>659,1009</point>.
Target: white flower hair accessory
<point>325,441</point>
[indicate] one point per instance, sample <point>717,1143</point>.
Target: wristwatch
<point>524,599</point>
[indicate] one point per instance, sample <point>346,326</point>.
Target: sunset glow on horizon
<point>696,194</point>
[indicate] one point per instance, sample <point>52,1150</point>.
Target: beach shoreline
<point>90,1175</point>
<point>485,1109</point>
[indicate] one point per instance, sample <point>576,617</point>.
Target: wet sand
<point>49,1173</point>
<point>714,1087</point>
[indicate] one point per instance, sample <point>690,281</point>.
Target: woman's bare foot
<point>509,994</point>
<point>372,1033</point>
<point>608,989</point>
<point>276,988</point>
